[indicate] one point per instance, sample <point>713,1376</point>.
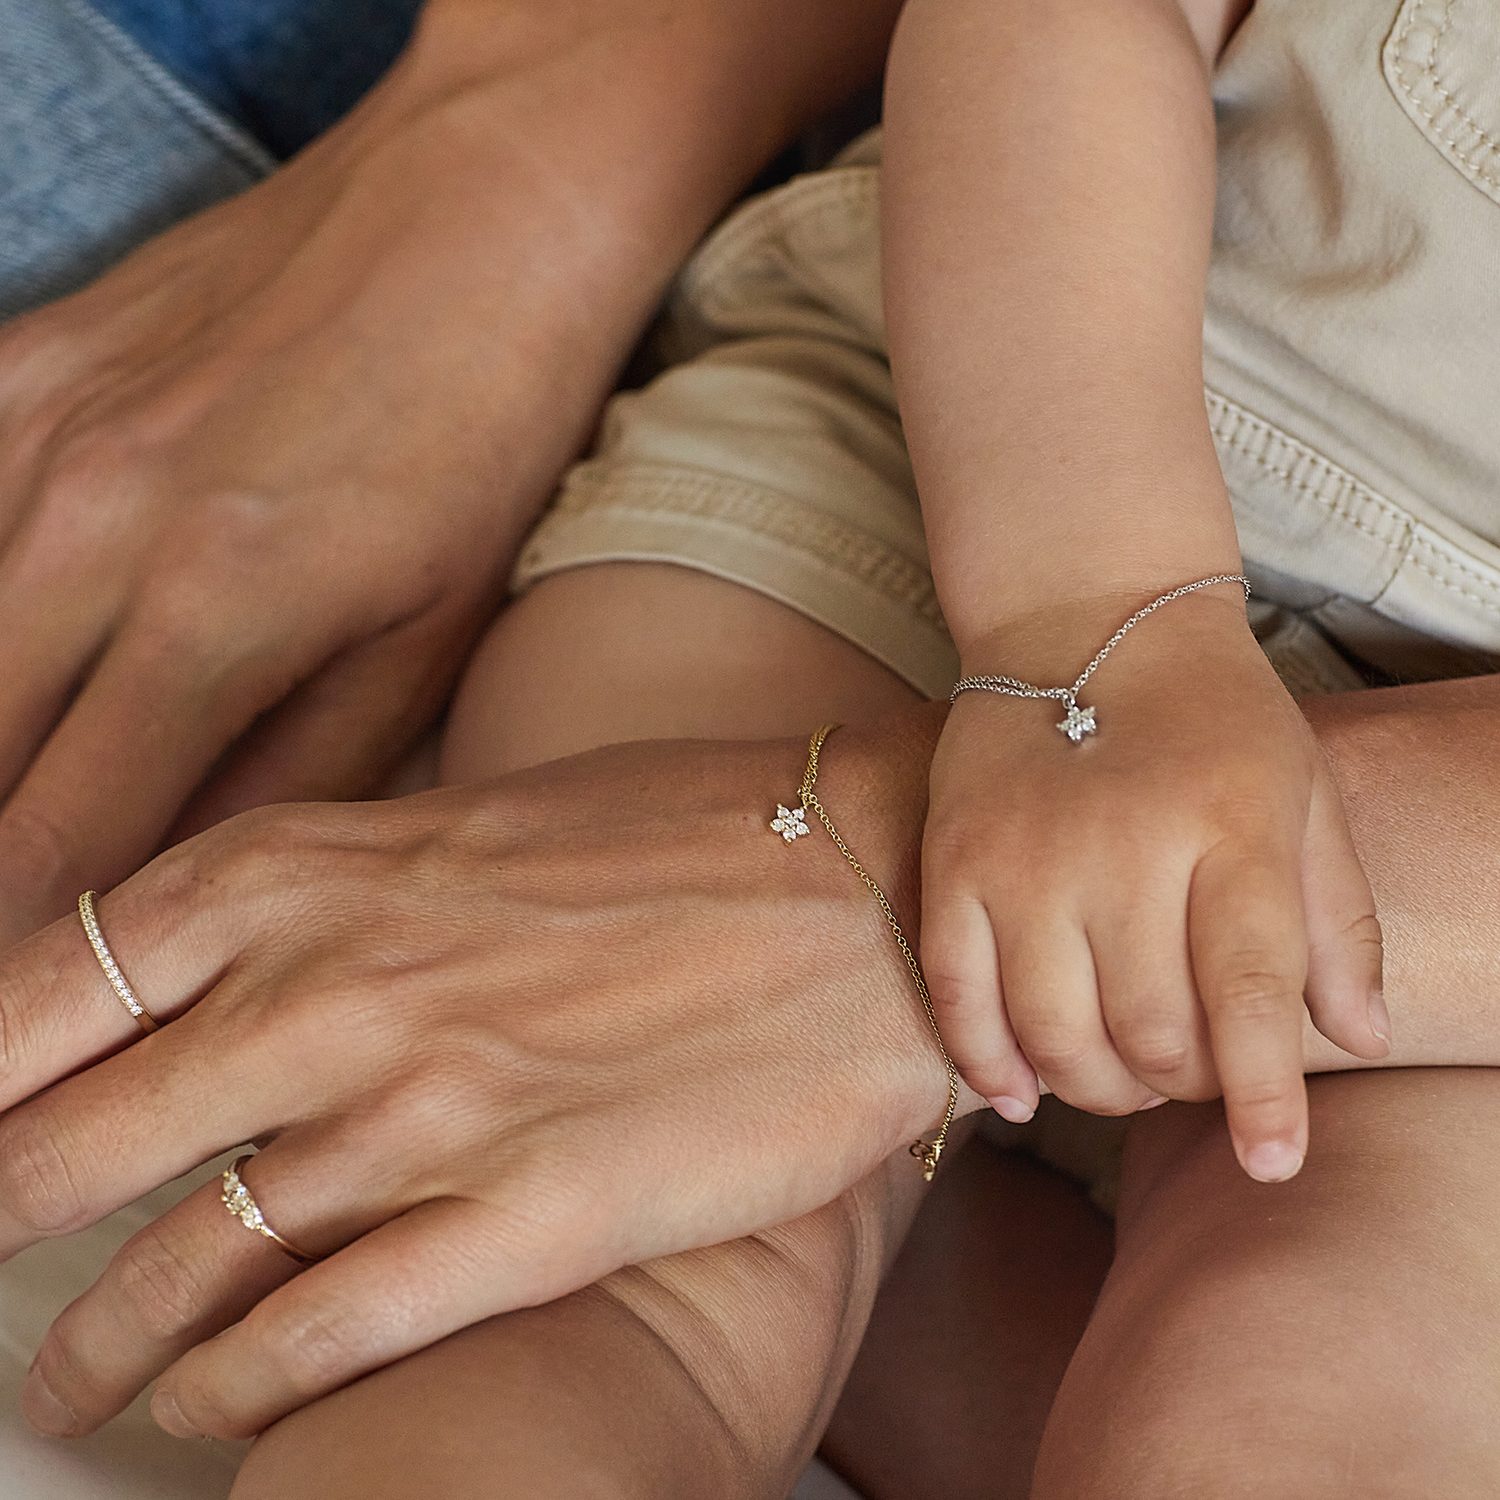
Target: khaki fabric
<point>1352,381</point>
<point>1352,370</point>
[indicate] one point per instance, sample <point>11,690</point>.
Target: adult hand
<point>501,1041</point>
<point>260,485</point>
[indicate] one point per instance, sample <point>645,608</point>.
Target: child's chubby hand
<point>1152,912</point>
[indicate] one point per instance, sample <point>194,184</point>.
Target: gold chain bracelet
<point>791,823</point>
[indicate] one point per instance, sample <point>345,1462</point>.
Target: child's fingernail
<point>1017,1111</point>
<point>1380,1017</point>
<point>1273,1161</point>
<point>1155,1102</point>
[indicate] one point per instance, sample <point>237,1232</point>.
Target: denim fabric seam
<point>239,144</point>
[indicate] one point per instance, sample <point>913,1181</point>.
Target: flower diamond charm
<point>1079,723</point>
<point>790,823</point>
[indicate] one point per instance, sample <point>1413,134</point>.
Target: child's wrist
<point>1052,642</point>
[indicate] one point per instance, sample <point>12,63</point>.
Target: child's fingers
<point>1248,944</point>
<point>1052,996</point>
<point>1345,954</point>
<point>963,976</point>
<point>1150,1000</point>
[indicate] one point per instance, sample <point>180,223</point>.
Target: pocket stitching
<point>1397,56</point>
<point>1417,540</point>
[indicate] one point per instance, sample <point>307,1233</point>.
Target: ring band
<point>239,1200</point>
<point>117,981</point>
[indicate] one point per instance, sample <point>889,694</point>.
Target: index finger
<point>1247,935</point>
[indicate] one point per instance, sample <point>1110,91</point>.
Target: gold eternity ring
<point>117,981</point>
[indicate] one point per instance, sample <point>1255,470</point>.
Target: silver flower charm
<point>790,823</point>
<point>1079,722</point>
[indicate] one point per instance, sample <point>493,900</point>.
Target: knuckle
<point>1057,1050</point>
<point>38,1186</point>
<point>164,1294</point>
<point>1365,933</point>
<point>1161,1047</point>
<point>315,1349</point>
<point>1254,992</point>
<point>949,850</point>
<point>956,992</point>
<point>1264,1095</point>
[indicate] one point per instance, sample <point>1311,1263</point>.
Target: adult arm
<point>506,1039</point>
<point>260,484</point>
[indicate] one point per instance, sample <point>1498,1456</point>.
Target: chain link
<point>927,1152</point>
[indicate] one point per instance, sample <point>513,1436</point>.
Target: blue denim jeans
<point>121,116</point>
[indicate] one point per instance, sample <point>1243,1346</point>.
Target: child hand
<point>1152,911</point>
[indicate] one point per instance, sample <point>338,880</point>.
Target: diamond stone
<point>1078,723</point>
<point>790,823</point>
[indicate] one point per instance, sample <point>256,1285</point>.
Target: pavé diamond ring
<point>239,1200</point>
<point>117,981</point>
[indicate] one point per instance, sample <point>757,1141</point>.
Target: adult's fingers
<point>52,624</point>
<point>157,713</point>
<point>91,1144</point>
<point>1249,950</point>
<point>1052,996</point>
<point>179,1281</point>
<point>443,1266</point>
<point>174,929</point>
<point>197,1271</point>
<point>340,733</point>
<point>962,969</point>
<point>1345,953</point>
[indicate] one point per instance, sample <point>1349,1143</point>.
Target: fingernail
<point>1380,1017</point>
<point>1154,1102</point>
<point>1017,1111</point>
<point>44,1411</point>
<point>167,1415</point>
<point>1273,1161</point>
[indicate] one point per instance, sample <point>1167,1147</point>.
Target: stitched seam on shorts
<point>1356,500</point>
<point>751,241</point>
<point>767,514</point>
<point>243,147</point>
<point>1399,57</point>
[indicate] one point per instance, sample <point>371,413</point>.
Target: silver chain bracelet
<point>1079,721</point>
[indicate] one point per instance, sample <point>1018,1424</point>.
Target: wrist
<point>660,110</point>
<point>1050,645</point>
<point>873,780</point>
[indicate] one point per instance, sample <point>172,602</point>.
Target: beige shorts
<point>1352,372</point>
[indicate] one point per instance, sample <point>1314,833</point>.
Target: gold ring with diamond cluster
<point>117,981</point>
<point>240,1201</point>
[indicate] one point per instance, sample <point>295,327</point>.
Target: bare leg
<point>1329,1338</point>
<point>708,1374</point>
<point>971,1334</point>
